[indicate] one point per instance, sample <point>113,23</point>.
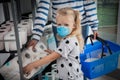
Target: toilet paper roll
<point>28,24</point>
<point>49,75</point>
<point>54,77</point>
<point>24,21</point>
<point>3,29</point>
<point>31,24</point>
<point>40,46</point>
<point>8,22</point>
<point>1,38</point>
<point>6,27</point>
<point>44,77</point>
<point>54,66</point>
<point>30,16</point>
<point>2,34</point>
<point>23,35</point>
<point>11,45</point>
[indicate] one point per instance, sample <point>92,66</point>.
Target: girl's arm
<point>45,60</point>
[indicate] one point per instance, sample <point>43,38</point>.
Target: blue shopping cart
<point>99,58</point>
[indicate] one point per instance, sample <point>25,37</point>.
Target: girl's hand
<point>49,51</point>
<point>27,69</point>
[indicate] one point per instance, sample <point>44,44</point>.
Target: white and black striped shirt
<point>87,10</point>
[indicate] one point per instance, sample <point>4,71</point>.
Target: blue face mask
<point>63,31</point>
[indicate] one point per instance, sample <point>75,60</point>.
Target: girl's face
<point>67,21</point>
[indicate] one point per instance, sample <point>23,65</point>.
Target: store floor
<point>115,75</point>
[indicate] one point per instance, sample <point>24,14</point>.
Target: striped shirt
<point>87,10</point>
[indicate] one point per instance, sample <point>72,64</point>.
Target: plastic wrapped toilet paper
<point>10,71</point>
<point>29,56</point>
<point>11,36</point>
<point>28,23</point>
<point>2,34</point>
<point>24,25</point>
<point>31,24</point>
<point>54,66</point>
<point>3,58</point>
<point>30,16</point>
<point>11,45</point>
<point>6,27</point>
<point>3,29</point>
<point>23,35</point>
<point>10,22</point>
<point>54,76</point>
<point>49,75</point>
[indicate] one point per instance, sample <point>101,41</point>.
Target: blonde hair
<point>78,29</point>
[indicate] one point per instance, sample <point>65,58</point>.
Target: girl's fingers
<point>49,51</point>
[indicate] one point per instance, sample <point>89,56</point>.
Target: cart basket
<point>99,57</point>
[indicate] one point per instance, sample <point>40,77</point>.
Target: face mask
<point>63,31</point>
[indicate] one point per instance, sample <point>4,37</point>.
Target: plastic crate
<point>100,66</point>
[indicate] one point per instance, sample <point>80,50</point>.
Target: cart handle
<point>102,41</point>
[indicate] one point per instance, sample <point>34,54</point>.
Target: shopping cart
<point>99,57</point>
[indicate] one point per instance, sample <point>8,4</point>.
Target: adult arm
<point>41,18</point>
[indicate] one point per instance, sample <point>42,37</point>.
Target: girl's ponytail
<point>79,29</point>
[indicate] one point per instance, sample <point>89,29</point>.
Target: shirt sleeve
<point>41,17</point>
<point>65,47</point>
<point>91,13</point>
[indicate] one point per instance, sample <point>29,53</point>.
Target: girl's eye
<point>59,24</point>
<point>66,24</point>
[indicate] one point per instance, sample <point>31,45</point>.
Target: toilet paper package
<point>30,16</point>
<point>3,58</point>
<point>11,36</point>
<point>6,27</point>
<point>11,44</point>
<point>51,75</point>
<point>10,71</point>
<point>2,34</point>
<point>10,22</point>
<point>31,24</point>
<point>23,35</point>
<point>29,56</point>
<point>27,23</point>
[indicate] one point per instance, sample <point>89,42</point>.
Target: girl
<point>68,51</point>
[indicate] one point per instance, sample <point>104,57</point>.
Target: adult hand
<point>95,33</point>
<point>32,43</point>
